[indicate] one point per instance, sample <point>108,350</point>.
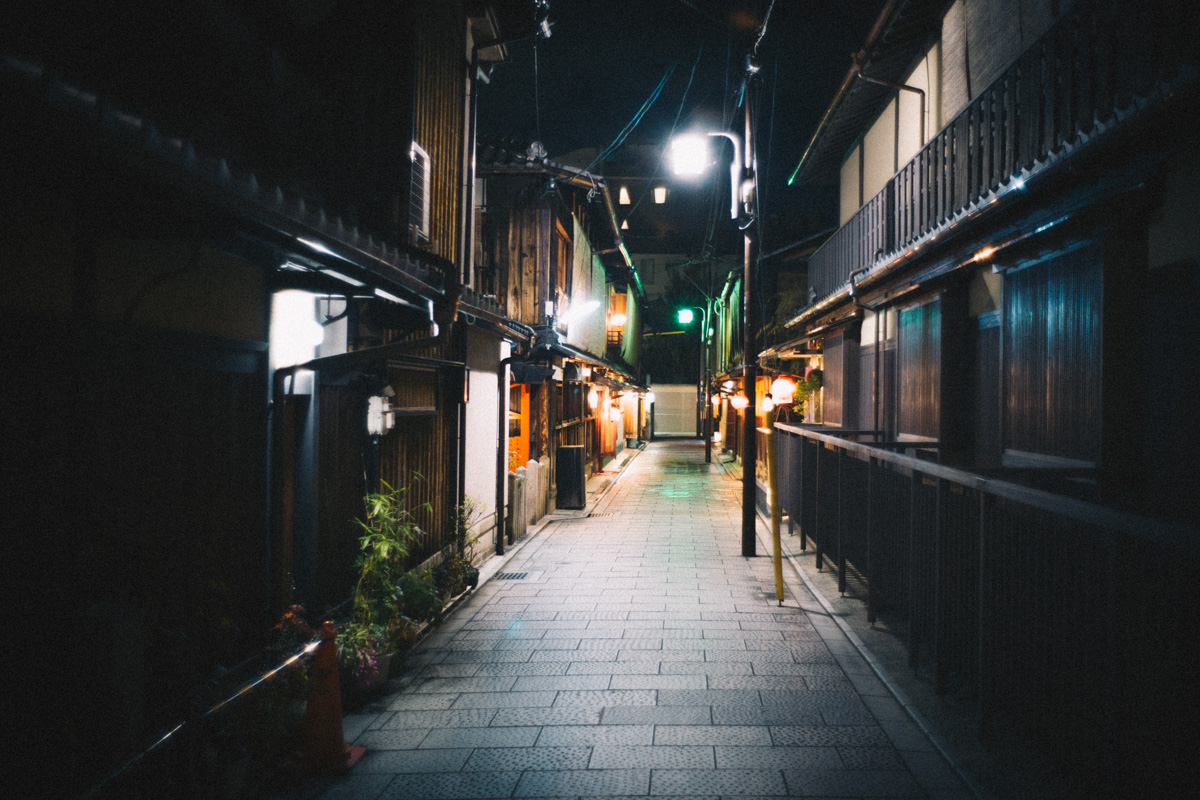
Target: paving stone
<point>450,718</point>
<point>708,697</point>
<point>489,683</point>
<point>659,682</point>
<point>481,737</point>
<point>413,760</point>
<point>572,783</point>
<point>526,668</point>
<point>770,682</point>
<point>606,698</point>
<point>593,735</point>
<point>872,757</point>
<point>707,668</point>
<point>851,783</point>
<point>730,735</point>
<point>646,667</point>
<point>452,786</point>
<point>447,671</point>
<point>653,757</point>
<point>771,757</point>
<point>522,758</point>
<point>561,683</point>
<point>568,715</point>
<point>717,781</point>
<point>767,715</point>
<point>830,735</point>
<point>575,655</point>
<point>421,702</point>
<point>657,715</point>
<point>504,700</point>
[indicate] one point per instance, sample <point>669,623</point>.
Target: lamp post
<point>690,156</point>
<point>685,318</point>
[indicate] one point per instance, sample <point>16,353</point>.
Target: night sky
<point>606,57</point>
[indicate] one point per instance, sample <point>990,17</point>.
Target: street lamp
<point>685,318</point>
<point>690,155</point>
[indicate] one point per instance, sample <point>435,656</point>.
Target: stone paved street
<point>635,652</point>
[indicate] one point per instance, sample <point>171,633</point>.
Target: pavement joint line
<point>762,531</point>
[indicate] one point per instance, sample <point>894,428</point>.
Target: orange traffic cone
<point>324,748</point>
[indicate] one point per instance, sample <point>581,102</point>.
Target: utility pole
<point>749,202</point>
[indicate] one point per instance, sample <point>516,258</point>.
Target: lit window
<point>624,223</point>
<point>420,191</point>
<point>623,197</point>
<point>660,194</point>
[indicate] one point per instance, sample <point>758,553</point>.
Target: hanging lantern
<point>783,389</point>
<point>716,399</point>
<point>739,401</point>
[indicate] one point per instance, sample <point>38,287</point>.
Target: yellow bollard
<point>773,495</point>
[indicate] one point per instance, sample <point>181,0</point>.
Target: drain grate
<point>511,576</point>
<point>602,514</point>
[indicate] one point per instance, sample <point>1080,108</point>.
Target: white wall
<point>675,411</point>
<point>484,352</point>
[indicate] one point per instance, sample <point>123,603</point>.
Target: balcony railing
<point>1100,62</point>
<point>1063,620</point>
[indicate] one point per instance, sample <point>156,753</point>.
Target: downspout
<point>856,70</point>
<point>843,91</point>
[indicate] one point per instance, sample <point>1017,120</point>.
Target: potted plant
<point>364,658</point>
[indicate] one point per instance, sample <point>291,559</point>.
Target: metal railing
<point>1098,64</point>
<point>1070,624</point>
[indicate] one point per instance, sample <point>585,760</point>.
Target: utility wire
<point>633,123</point>
<point>537,103</point>
<point>674,125</point>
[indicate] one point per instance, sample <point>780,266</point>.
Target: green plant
<point>421,601</point>
<point>361,646</point>
<point>807,387</point>
<point>390,531</point>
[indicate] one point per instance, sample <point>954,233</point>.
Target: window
<point>419,194</point>
<point>623,196</point>
<point>660,194</point>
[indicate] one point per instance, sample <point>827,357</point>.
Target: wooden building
<point>225,230</point>
<point>552,256</point>
<point>1007,298</point>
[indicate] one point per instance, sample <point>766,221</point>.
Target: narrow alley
<point>635,652</point>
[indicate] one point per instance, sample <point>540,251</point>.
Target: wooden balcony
<point>1099,65</point>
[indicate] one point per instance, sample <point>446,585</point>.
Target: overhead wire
<point>674,125</point>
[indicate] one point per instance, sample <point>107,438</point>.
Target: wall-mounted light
<point>380,416</point>
<point>716,399</point>
<point>585,372</point>
<point>617,320</point>
<point>593,399</point>
<point>295,332</point>
<point>727,386</point>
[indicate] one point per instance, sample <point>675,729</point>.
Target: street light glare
<point>690,155</point>
<point>685,316</point>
